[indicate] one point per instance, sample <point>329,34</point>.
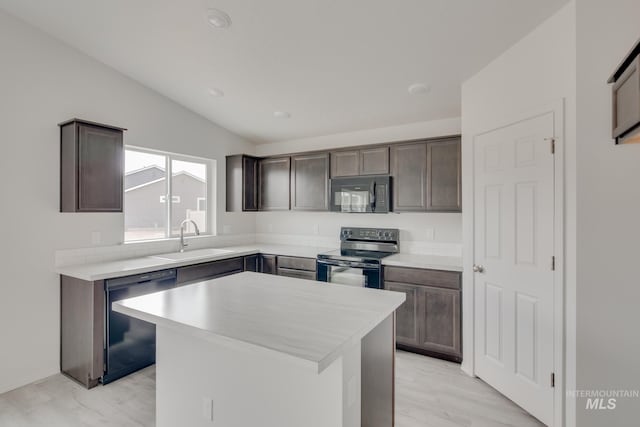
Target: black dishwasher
<point>131,343</point>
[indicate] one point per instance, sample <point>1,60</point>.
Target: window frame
<point>169,157</point>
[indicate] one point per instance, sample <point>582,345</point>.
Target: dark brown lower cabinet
<point>83,317</point>
<point>82,322</point>
<point>407,331</point>
<point>298,274</point>
<point>429,321</point>
<point>268,264</point>
<point>209,270</point>
<point>298,267</point>
<point>252,263</point>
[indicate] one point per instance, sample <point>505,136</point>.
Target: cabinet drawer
<point>297,263</point>
<point>436,278</point>
<point>210,270</point>
<point>298,274</point>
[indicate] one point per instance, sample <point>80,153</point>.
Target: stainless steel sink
<point>189,255</point>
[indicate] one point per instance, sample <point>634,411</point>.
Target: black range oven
<point>358,262</point>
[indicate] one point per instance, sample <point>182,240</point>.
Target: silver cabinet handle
<point>478,268</point>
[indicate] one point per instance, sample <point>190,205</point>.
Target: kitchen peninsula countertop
<point>126,267</point>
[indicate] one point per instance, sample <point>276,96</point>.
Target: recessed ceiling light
<point>218,18</point>
<point>281,115</point>
<point>215,92</point>
<point>419,89</point>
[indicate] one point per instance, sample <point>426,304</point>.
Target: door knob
<point>478,268</point>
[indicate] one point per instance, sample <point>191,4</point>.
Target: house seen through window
<point>152,179</point>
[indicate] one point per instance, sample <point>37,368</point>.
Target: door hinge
<point>553,263</point>
<point>552,142</point>
<point>553,379</point>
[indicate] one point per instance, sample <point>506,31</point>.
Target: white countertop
<point>431,262</point>
<point>311,321</point>
<point>127,267</point>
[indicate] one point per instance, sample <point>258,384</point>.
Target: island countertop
<point>313,322</point>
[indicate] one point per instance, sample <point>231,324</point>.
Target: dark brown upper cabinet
<point>345,163</point>
<point>365,161</point>
<point>626,97</point>
<point>242,183</point>
<point>409,171</point>
<point>374,161</point>
<point>426,176</point>
<point>91,167</point>
<point>309,182</point>
<point>274,184</point>
<point>444,192</point>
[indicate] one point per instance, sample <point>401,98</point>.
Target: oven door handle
<point>347,264</point>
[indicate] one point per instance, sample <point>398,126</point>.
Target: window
<point>147,215</point>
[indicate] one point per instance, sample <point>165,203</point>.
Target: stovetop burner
<point>355,255</point>
<point>365,244</point>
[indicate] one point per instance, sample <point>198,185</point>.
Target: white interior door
<point>514,243</point>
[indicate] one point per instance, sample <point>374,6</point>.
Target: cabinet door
<point>100,169</point>
<point>249,183</point>
<point>309,182</point>
<point>440,320</point>
<point>234,184</point>
<point>409,171</point>
<point>443,176</point>
<point>252,263</point>
<point>242,183</point>
<point>407,315</point>
<point>274,184</point>
<point>268,264</point>
<point>374,161</point>
<point>345,163</point>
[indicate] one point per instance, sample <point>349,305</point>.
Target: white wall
<point>409,131</point>
<point>536,72</point>
<point>424,233</point>
<point>42,83</point>
<point>430,233</point>
<point>608,294</point>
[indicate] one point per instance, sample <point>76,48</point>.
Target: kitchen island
<point>255,349</point>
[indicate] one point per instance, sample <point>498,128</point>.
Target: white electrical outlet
<point>207,408</point>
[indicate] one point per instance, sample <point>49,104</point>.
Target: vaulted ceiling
<point>334,65</point>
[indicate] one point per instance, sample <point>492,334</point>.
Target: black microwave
<point>363,194</point>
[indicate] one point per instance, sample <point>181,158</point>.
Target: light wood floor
<point>429,392</point>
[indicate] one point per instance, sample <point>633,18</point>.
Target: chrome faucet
<point>183,244</point>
